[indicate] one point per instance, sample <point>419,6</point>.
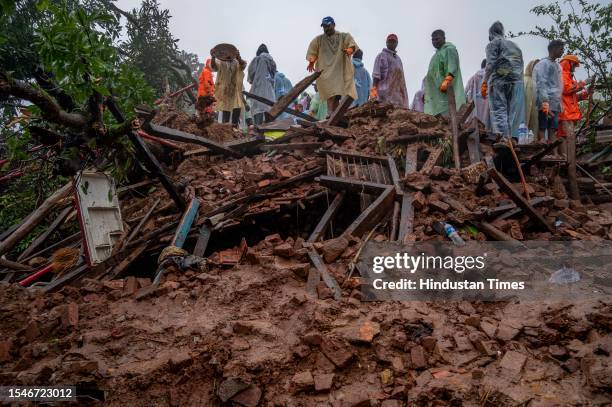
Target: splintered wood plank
<point>271,103</point>
<point>292,95</point>
<point>373,213</point>
<point>406,218</point>
<point>328,279</point>
<point>321,227</point>
<point>352,185</point>
<point>521,202</point>
<point>202,243</point>
<point>411,159</point>
<point>182,136</point>
<point>42,238</point>
<point>125,263</point>
<point>185,224</point>
<point>338,114</point>
<point>432,160</point>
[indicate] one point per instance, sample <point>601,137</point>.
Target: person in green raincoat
<point>444,71</point>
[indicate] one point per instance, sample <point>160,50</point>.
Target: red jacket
<point>207,85</point>
<point>571,95</point>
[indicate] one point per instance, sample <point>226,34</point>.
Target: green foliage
<point>150,45</point>
<point>585,28</point>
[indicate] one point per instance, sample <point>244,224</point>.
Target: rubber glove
<point>349,51</point>
<point>484,89</point>
<point>311,64</point>
<point>447,81</point>
<point>373,92</point>
<point>545,108</point>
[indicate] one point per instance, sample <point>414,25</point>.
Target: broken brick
<point>333,248</point>
<point>302,381</point>
<point>323,382</point>
<point>417,356</point>
<point>284,250</point>
<point>439,206</point>
<point>248,397</point>
<point>337,351</point>
<point>513,362</point>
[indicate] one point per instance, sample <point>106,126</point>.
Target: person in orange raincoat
<point>572,92</point>
<point>206,90</point>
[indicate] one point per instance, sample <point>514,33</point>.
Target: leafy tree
<point>585,28</point>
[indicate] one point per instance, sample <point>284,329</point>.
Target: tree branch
<point>51,110</point>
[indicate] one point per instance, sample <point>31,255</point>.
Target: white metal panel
<point>99,213</point>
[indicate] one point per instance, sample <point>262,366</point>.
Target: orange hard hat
<point>572,58</point>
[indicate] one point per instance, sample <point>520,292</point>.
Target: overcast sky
<point>287,28</point>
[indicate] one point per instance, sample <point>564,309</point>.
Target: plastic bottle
<point>449,231</point>
<point>523,134</point>
<point>565,275</point>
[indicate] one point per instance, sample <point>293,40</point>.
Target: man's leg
<point>225,116</point>
<point>516,108</point>
<point>499,109</point>
<point>236,117</point>
<point>542,126</point>
<point>332,104</point>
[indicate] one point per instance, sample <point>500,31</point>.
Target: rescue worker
<point>230,75</point>
<point>206,90</point>
<point>363,81</point>
<point>504,81</point>
<point>331,52</point>
<point>388,75</point>
<point>261,77</point>
<point>444,71</point>
<point>548,86</point>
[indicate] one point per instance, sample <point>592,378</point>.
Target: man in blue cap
<point>331,53</point>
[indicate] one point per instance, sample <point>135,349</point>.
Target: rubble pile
<point>268,310</point>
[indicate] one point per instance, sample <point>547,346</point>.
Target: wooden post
<point>321,227</point>
<point>270,103</point>
<point>571,160</point>
<point>34,219</point>
<point>286,100</point>
<point>452,114</point>
<point>185,224</point>
<point>338,114</point>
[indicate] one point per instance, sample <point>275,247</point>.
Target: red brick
<point>417,355</point>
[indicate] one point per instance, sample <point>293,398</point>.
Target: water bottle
<point>564,275</point>
<point>449,231</point>
<point>523,134</point>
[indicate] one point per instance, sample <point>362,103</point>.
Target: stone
<point>489,348</point>
<point>386,377</point>
<point>70,315</point>
<point>462,342</point>
<point>240,344</point>
<point>488,327</point>
<point>339,352</point>
<point>473,320</point>
<point>302,381</point>
<point>5,350</point>
<point>323,291</point>
<point>439,206</point>
<point>398,364</point>
<point>506,332</point>
<point>333,248</point>
<point>513,362</point>
<point>466,308</point>
<point>477,374</point>
<point>131,285</point>
<point>429,343</point>
<point>229,388</point>
<point>417,356</point>
<point>323,382</point>
<point>249,397</point>
<point>32,331</point>
<point>360,331</point>
<point>312,338</point>
<point>419,201</point>
<point>284,250</point>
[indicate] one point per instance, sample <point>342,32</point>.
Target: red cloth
<point>206,86</point>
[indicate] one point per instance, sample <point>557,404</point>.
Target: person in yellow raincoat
<point>331,52</point>
<point>228,88</point>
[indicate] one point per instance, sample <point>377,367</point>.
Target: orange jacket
<point>571,110</point>
<point>207,85</point>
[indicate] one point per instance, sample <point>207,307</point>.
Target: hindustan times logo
<point>412,264</point>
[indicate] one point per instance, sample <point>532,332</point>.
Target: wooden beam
<point>313,280</point>
<point>182,231</point>
<point>350,154</point>
<point>144,220</point>
<point>394,174</point>
<point>432,160</point>
<point>507,211</point>
<point>338,183</point>
<point>412,153</point>
<point>178,135</point>
<point>42,238</point>
<point>293,94</point>
<point>413,138</point>
<point>13,265</point>
<point>270,103</point>
<point>144,155</point>
<point>328,279</point>
<point>35,218</point>
<point>291,146</point>
<point>466,113</point>
<point>538,156</point>
<point>319,230</point>
<point>373,214</point>
<point>58,283</point>
<point>496,234</point>
<point>473,143</point>
<point>406,218</point>
<point>127,261</point>
<point>507,187</point>
<point>338,114</point>
<point>202,243</point>
<point>452,114</point>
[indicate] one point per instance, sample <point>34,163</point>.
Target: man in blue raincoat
<point>503,82</point>
<point>363,81</point>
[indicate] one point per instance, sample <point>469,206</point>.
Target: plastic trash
<point>523,134</point>
<point>449,231</point>
<point>564,275</point>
